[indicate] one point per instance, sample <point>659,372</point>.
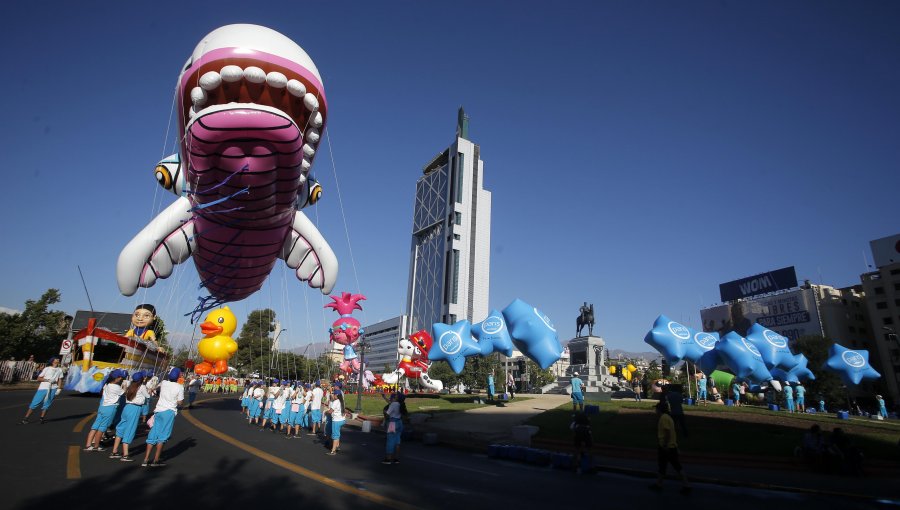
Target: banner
<point>792,314</point>
<point>780,279</point>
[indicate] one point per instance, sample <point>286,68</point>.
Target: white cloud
<point>9,311</point>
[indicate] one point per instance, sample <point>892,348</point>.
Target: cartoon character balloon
<point>217,346</point>
<point>345,330</point>
<point>251,108</point>
<point>414,362</point>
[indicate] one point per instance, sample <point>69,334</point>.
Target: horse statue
<point>586,319</point>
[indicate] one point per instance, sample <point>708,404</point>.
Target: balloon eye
<point>163,176</point>
<point>315,193</point>
<point>221,320</point>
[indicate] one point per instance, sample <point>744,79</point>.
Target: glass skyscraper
<point>449,276</point>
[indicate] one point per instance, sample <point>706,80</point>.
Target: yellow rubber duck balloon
<point>217,346</point>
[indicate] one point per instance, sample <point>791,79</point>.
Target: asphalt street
<point>215,459</point>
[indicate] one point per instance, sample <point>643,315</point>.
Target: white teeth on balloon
<point>276,80</point>
<point>309,151</point>
<point>302,178</point>
<point>296,88</point>
<point>198,96</point>
<point>232,73</point>
<point>310,102</point>
<point>192,111</point>
<point>254,74</point>
<point>312,135</point>
<point>316,120</point>
<point>305,164</point>
<point>210,80</point>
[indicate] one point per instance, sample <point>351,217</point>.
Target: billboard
<point>780,279</point>
<point>886,251</point>
<point>792,314</point>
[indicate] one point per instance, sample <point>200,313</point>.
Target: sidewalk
<point>477,428</point>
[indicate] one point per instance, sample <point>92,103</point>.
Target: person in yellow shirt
<point>667,443</point>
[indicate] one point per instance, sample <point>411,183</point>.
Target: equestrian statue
<point>586,319</point>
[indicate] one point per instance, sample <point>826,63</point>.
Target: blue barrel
<point>517,452</point>
<point>493,451</point>
<point>773,407</point>
<point>729,402</point>
<point>561,461</point>
<point>590,410</point>
<point>689,401</point>
<point>504,451</point>
<point>843,415</point>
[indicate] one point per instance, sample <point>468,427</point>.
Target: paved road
<point>216,460</point>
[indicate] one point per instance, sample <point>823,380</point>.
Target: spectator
<point>882,409</point>
<point>667,449</point>
<point>395,412</point>
<point>510,385</point>
<point>844,457</point>
<point>636,387</point>
<point>581,429</point>
<point>674,399</point>
<point>490,386</point>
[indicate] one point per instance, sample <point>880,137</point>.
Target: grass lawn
<point>720,429</point>
<point>372,405</point>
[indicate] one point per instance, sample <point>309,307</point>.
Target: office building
<point>449,274</point>
<point>882,289</point>
<point>382,339</point>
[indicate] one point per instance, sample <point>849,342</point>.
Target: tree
<point>441,371</point>
<point>537,376</point>
<point>827,385</point>
<point>254,345</point>
<point>37,330</point>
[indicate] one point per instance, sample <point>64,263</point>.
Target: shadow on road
<point>224,485</point>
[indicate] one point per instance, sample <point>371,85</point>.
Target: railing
<point>16,371</point>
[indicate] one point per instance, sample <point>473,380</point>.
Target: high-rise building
<point>882,288</point>
<point>449,275</point>
<point>383,339</point>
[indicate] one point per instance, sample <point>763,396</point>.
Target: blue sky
<point>639,153</point>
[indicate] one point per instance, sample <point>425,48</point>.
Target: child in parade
<point>171,395</point>
<point>268,411</point>
<point>279,406</point>
<point>315,408</point>
<point>109,401</point>
<point>801,397</point>
<point>256,403</point>
<point>135,397</point>
<point>245,401</point>
<point>49,384</point>
<point>336,414</point>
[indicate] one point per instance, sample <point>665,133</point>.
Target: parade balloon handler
<point>336,412</point>
<point>171,395</point>
<point>315,409</point>
<point>394,413</point>
<point>135,396</point>
<point>788,397</point>
<point>577,395</point>
<point>667,449</point>
<point>801,397</point>
<point>490,386</point>
<point>109,401</point>
<point>882,409</point>
<point>193,388</point>
<point>47,389</point>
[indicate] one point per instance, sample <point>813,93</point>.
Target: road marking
<point>73,465</point>
<point>454,466</point>
<point>80,426</point>
<point>306,473</point>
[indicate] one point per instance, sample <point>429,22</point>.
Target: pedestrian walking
<point>667,449</point>
<point>109,401</point>
<point>336,412</point>
<point>577,395</point>
<point>395,413</point>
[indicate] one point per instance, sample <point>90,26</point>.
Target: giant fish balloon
<point>251,108</point>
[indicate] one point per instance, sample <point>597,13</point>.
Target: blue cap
<point>274,381</point>
<point>174,374</point>
<point>137,376</point>
<point>338,392</point>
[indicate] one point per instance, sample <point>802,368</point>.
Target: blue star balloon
<point>493,335</point>
<point>743,358</point>
<point>532,333</point>
<point>800,370</point>
<point>453,344</point>
<point>772,347</point>
<point>710,362</point>
<point>852,366</point>
<point>676,341</point>
<point>701,343</point>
